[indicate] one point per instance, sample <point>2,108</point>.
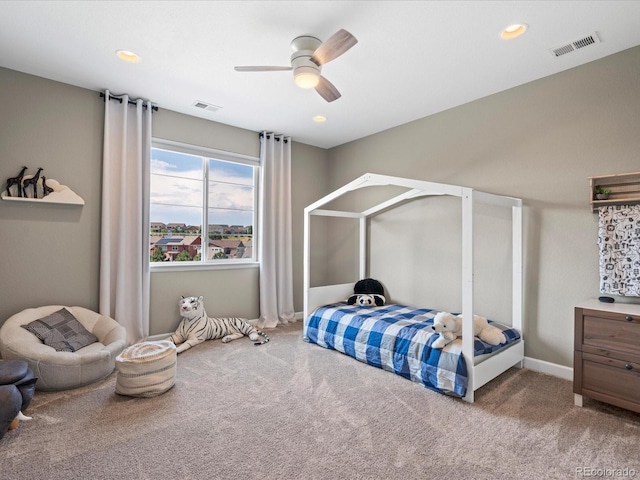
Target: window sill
<point>157,267</point>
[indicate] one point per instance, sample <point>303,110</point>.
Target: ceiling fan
<point>309,54</point>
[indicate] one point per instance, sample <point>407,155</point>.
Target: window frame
<point>210,153</point>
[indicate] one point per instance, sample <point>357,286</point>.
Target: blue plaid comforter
<point>398,339</point>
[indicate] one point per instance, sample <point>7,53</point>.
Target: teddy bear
<point>449,327</point>
<point>367,292</point>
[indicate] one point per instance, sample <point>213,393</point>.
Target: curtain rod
<point>277,137</point>
<point>154,108</point>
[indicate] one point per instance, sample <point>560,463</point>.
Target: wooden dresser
<point>606,363</point>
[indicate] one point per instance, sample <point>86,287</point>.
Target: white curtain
<point>124,255</point>
<point>275,242</point>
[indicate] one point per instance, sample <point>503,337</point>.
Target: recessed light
<point>319,118</point>
<point>128,56</point>
<point>513,31</point>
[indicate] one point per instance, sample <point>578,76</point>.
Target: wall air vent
<point>576,45</point>
<point>206,106</point>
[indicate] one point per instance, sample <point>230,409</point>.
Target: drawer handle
<point>628,366</point>
<point>629,318</point>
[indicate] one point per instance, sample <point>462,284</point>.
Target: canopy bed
<point>398,338</point>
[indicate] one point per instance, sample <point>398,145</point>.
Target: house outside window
<point>202,206</point>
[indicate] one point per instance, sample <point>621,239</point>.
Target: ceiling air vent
<point>206,106</point>
<point>576,45</point>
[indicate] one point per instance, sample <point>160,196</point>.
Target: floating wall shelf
<point>61,195</point>
<point>625,189</point>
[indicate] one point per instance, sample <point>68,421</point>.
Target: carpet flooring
<point>293,410</point>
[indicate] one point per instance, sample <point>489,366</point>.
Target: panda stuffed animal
<point>367,292</point>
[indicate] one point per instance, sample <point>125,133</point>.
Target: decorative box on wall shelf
<point>61,194</point>
<point>606,365</point>
<point>625,189</point>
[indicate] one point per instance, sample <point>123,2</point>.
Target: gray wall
<point>310,182</point>
<point>539,142</point>
<point>51,252</point>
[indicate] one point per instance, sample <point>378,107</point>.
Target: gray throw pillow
<point>62,331</point>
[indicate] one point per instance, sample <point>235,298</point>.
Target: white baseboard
<point>534,364</point>
<point>548,368</point>
<point>161,336</point>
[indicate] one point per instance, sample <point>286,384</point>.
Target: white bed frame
<point>479,373</point>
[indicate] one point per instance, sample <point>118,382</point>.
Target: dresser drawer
<point>609,380</point>
<point>605,331</point>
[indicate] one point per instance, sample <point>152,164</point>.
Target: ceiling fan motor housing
<point>302,49</point>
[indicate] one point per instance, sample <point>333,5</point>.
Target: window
<point>198,193</point>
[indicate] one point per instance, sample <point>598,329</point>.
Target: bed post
<point>306,281</point>
<point>363,247</point>
<point>516,221</point>
<point>467,288</point>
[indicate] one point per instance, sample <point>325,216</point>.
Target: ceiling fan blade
<point>262,69</point>
<point>333,47</point>
<point>326,90</point>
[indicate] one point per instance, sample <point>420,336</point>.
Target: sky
<point>177,190</point>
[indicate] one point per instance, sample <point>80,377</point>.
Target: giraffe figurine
<point>46,189</point>
<point>33,181</point>
<point>16,181</point>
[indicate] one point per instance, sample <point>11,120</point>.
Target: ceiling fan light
<point>306,77</point>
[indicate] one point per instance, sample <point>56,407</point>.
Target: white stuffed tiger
<point>196,326</point>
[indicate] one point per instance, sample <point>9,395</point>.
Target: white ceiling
<point>413,58</point>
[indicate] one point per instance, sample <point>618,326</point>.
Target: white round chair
<point>58,370</point>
